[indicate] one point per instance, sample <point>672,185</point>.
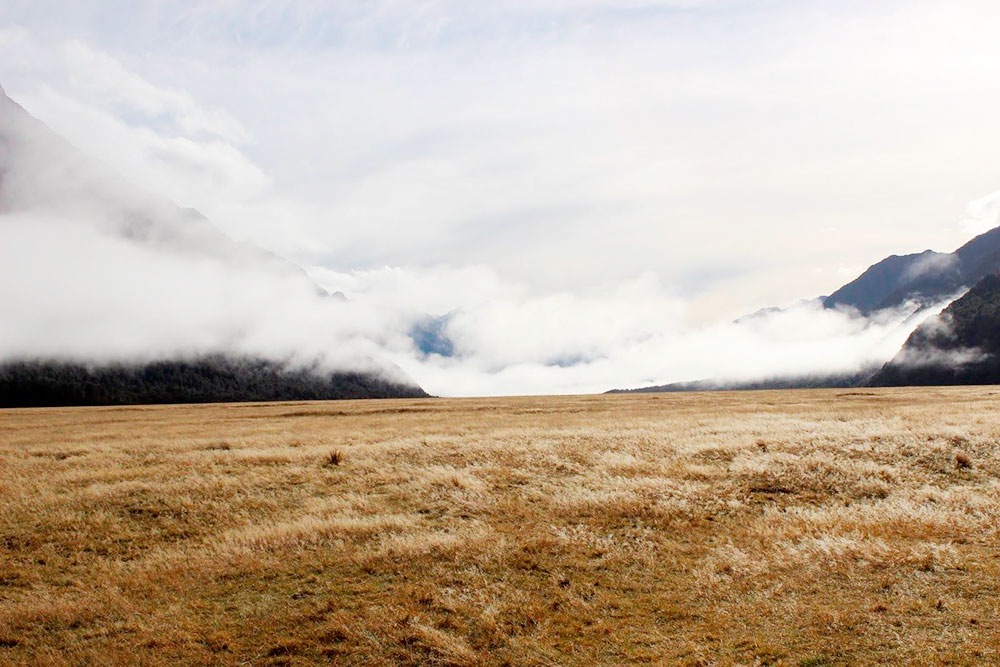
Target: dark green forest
<point>208,379</point>
<point>968,328</point>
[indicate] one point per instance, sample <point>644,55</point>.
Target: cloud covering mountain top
<point>94,269</point>
<point>591,192</point>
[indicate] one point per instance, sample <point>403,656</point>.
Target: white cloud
<point>687,139</point>
<point>512,341</point>
<point>931,263</point>
<point>180,168</point>
<point>983,214</point>
<point>802,340</point>
<point>596,185</point>
<point>75,292</point>
<point>103,80</point>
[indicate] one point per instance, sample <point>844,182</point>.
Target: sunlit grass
<point>800,527</point>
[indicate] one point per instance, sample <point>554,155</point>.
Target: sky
<point>590,188</point>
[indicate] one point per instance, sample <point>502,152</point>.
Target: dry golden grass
<point>799,527</point>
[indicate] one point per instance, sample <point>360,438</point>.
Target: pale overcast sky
<point>725,155</point>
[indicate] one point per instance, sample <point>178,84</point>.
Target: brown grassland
<point>814,528</point>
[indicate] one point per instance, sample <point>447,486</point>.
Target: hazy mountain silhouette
<point>812,381</point>
<point>925,277</point>
<point>43,174</point>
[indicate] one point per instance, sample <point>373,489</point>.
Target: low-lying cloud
<point>95,270</point>
<point>575,211</point>
<point>511,341</point>
<point>70,290</point>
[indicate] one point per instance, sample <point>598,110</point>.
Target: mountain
<point>430,336</point>
<point>925,277</point>
<point>838,380</point>
<point>922,279</point>
<point>959,346</point>
<point>45,177</point>
<point>41,172</point>
<point>208,379</point>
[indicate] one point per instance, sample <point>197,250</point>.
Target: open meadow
<point>819,527</point>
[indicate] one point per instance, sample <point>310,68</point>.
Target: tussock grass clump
<point>962,461</point>
<point>221,446</point>
<point>794,527</point>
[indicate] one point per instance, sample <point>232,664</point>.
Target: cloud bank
<point>72,291</point>
<point>586,193</point>
<point>507,340</point>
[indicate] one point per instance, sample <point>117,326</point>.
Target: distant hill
<point>42,173</point>
<point>959,346</point>
<point>793,382</point>
<point>214,379</point>
<point>430,336</point>
<point>925,277</point>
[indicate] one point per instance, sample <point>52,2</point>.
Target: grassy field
<point>797,527</point>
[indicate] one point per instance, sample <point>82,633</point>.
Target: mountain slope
<point>959,346</point>
<point>50,188</point>
<point>41,172</point>
<point>815,381</point>
<point>215,379</point>
<point>924,277</point>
